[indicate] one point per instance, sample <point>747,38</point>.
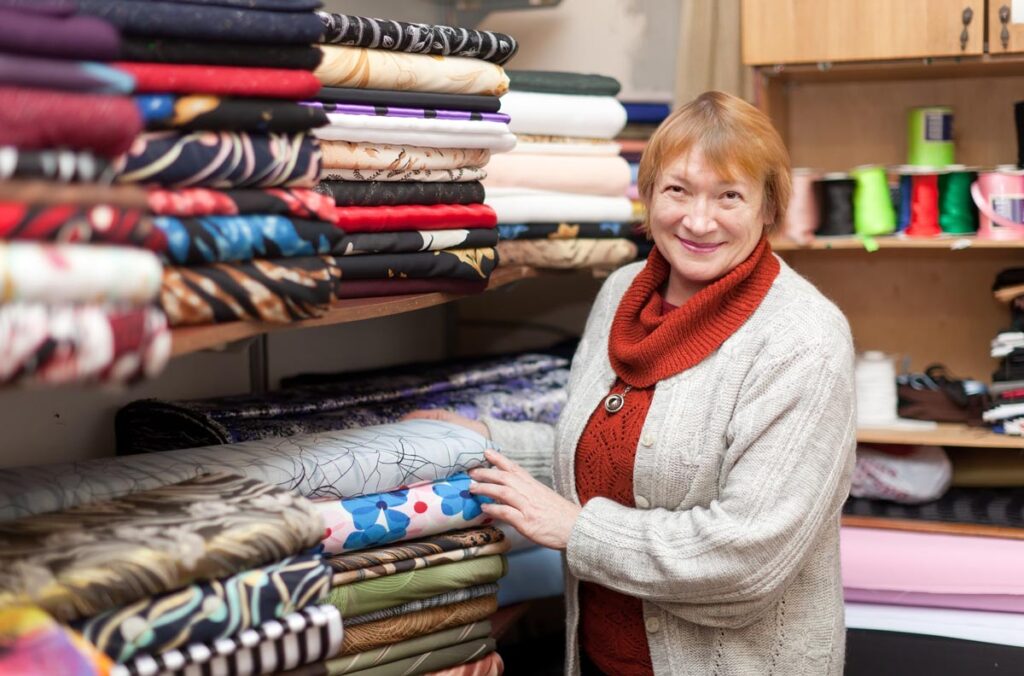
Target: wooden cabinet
<point>1005,29</point>
<point>809,31</point>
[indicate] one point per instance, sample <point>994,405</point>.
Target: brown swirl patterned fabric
<point>84,560</point>
<point>368,156</point>
<point>376,634</point>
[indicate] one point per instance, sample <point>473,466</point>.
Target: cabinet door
<point>1005,26</point>
<point>809,31</point>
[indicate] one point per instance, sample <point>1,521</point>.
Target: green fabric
<point>435,660</point>
<point>393,590</point>
<point>555,82</point>
<point>414,646</point>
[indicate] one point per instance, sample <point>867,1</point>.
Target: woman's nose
<point>700,220</point>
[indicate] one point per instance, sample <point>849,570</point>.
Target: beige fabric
<point>364,156</point>
<point>710,51</point>
<point>567,254</point>
<point>563,173</point>
<point>381,69</point>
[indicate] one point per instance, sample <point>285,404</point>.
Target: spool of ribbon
<point>924,206</point>
<point>999,196</point>
<point>873,213</point>
<point>802,214</point>
<point>834,194</point>
<point>904,201</point>
<point>957,213</point>
<point>930,136</point>
<point>875,384</point>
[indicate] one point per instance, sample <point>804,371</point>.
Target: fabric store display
<point>72,273</point>
<point>212,113</point>
<point>430,132</point>
<point>922,475</point>
<point>534,573</point>
<point>986,467</point>
<point>556,82</point>
<point>413,241</point>
<point>84,560</point>
<point>31,642</point>
<point>64,344</point>
<point>565,230</point>
<point>403,514</point>
<point>61,166</point>
<point>328,464</point>
<point>564,115</point>
<point>104,124</point>
<point>69,224</point>
<point>417,38</point>
<point>390,97</point>
<point>221,160</point>
<point>218,239</point>
<point>983,506</point>
<point>187,202</point>
<point>568,254</point>
<point>968,625</point>
<point>372,156</point>
<point>309,636</point>
<point>468,174</point>
<point>372,288</point>
<point>364,637</point>
<point>562,173</point>
<point>203,613</point>
<point>24,192</point>
<point>41,73</point>
<point>447,598</point>
<point>489,665</point>
<point>521,205</point>
<point>177,78</point>
<point>297,57</point>
<point>65,37</point>
<point>450,263</point>
<point>414,217</point>
<point>395,193</point>
<point>205,21</point>
<point>441,658</point>
<point>379,69</point>
<point>415,646</point>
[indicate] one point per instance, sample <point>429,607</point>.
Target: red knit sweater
<point>650,341</point>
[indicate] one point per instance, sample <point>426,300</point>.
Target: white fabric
<point>589,149</point>
<point>520,205</point>
<point>415,131</point>
<point>968,625</point>
<point>564,114</point>
<point>923,475</point>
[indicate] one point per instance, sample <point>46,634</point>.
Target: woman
<point>705,450</point>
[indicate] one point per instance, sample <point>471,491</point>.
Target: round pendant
<point>613,403</point>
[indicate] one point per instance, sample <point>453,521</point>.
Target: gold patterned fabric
<point>380,156</point>
<point>365,637</point>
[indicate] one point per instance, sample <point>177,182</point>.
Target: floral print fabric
<point>393,193</point>
<point>214,239</point>
<point>84,560</point>
<point>69,223</point>
<point>213,113</point>
<point>31,642</point>
<point>61,166</point>
<point>381,156</point>
<point>186,202</point>
<point>568,254</point>
<point>466,174</point>
<point>450,263</point>
<point>411,242</point>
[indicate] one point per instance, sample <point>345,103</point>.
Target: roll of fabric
<point>212,113</point>
<point>562,173</point>
<point>192,202</point>
<point>412,241</point>
<point>416,646</point>
<point>344,110</point>
<point>297,57</point>
<point>417,38</point>
<point>448,598</point>
<point>72,76</point>
<point>404,514</point>
<point>450,263</point>
<point>280,290</point>
<point>488,665</point>
<point>391,97</point>
<point>205,21</point>
<point>414,217</point>
<point>515,205</point>
<point>69,273</point>
<point>177,78</point>
<point>211,611</point>
<point>423,132</point>
<point>373,156</point>
<point>221,160</point>
<point>442,658</point>
<point>395,193</point>
<point>564,115</point>
<point>69,224</point>
<point>466,175</point>
<point>328,464</point>
<point>563,145</point>
<point>568,254</point>
<point>64,37</point>
<point>47,344</point>
<point>34,192</point>
<point>396,629</point>
<point>59,166</point>
<point>31,642</point>
<point>379,69</point>
<point>84,560</point>
<point>560,82</point>
<point>565,230</point>
<point>38,119</point>
<point>372,288</point>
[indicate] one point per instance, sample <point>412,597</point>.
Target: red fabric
<point>414,217</point>
<point>193,202</point>
<point>69,223</point>
<point>275,83</point>
<point>37,119</point>
<point>371,288</point>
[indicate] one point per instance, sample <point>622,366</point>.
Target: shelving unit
<point>961,243</point>
<point>946,434</point>
<point>939,527</point>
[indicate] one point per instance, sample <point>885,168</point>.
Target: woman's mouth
<point>699,247</point>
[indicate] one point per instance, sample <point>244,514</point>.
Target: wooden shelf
<point>190,339</point>
<point>984,65</point>
<point>946,434</point>
<point>895,242</point>
<point>940,527</point>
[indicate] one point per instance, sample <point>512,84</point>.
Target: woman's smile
<point>701,248</point>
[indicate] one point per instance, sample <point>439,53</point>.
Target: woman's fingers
<point>489,475</point>
<point>502,461</point>
<point>509,515</point>
<point>500,493</point>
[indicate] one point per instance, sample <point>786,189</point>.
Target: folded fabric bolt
<point>221,160</point>
<point>87,76</point>
<point>984,506</point>
<point>441,658</point>
<point>206,612</point>
<point>423,132</point>
<point>565,230</point>
<point>363,637</point>
<point>48,344</point>
<point>568,254</point>
<point>66,37</point>
<point>378,110</point>
<point>414,217</point>
<point>35,192</point>
<point>322,465</point>
<point>300,202</point>
<point>70,273</point>
<point>84,560</point>
<point>563,173</point>
<point>646,113</point>
<point>176,78</point>
<point>488,665</point>
<point>220,239</point>
<point>560,82</point>
<point>448,598</point>
<point>402,514</point>
<point>274,5</point>
<point>280,290</point>
<point>205,21</point>
<point>453,263</point>
<point>60,166</point>
<point>395,193</point>
<point>566,146</point>
<point>212,113</point>
<point>518,205</point>
<point>534,573</point>
<point>391,97</point>
<point>373,156</point>
<point>379,69</point>
<point>466,175</point>
<point>564,115</point>
<point>411,241</point>
<point>409,648</point>
<point>298,57</point>
<point>69,224</point>
<point>417,38</point>
<point>31,642</point>
<point>371,288</point>
<point>105,124</point>
<point>311,635</point>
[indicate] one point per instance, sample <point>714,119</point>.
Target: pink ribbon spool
<point>802,213</point>
<point>999,196</point>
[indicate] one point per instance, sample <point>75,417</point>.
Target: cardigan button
<point>642,502</point>
<point>653,625</point>
<point>647,440</point>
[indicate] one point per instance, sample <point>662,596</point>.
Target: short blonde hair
<point>735,137</point>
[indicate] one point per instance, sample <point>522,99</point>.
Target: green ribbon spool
<point>930,137</point>
<point>957,213</point>
<point>873,213</point>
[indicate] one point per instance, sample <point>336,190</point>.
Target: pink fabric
<point>580,174</point>
<point>998,602</point>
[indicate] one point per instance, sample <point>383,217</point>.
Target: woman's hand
<point>533,509</point>
<point>449,417</point>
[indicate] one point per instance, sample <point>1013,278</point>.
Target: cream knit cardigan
<point>743,464</point>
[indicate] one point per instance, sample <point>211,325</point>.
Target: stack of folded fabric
<point>74,308</point>
<point>642,120</point>
<point>413,120</point>
<point>560,195</point>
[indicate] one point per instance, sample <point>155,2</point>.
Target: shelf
<point>1009,293</point>
<point>940,527</point>
<point>946,434</point>
<point>894,242</point>
<point>985,65</point>
<point>190,339</point>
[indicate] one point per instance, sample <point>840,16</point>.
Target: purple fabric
<point>75,76</point>
<point>394,111</point>
<point>47,7</point>
<point>72,37</point>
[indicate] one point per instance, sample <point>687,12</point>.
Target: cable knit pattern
<point>744,462</point>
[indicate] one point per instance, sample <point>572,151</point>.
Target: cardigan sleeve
<point>784,478</point>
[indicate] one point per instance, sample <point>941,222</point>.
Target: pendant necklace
<point>614,402</point>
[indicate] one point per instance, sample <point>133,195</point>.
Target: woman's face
<point>703,224</point>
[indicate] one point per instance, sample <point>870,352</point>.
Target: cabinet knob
<point>1004,18</point>
<point>964,36</point>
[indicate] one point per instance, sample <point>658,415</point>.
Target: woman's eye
<point>676,189</point>
<point>731,195</point>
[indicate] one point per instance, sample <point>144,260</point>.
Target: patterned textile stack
<point>413,120</point>
<point>74,308</point>
<point>560,196</point>
<point>642,119</point>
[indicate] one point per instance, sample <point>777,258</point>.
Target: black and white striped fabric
<point>311,635</point>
